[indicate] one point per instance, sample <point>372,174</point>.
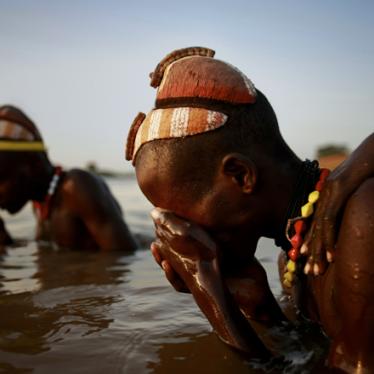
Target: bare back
<point>85,215</point>
<point>344,295</point>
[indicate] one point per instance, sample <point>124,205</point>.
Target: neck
<point>296,183</point>
<point>41,180</point>
<point>282,191</point>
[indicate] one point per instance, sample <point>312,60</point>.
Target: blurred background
<point>80,68</point>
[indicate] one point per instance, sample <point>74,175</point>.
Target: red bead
<point>324,174</point>
<point>296,241</point>
<point>293,254</point>
<point>299,226</point>
<point>319,186</point>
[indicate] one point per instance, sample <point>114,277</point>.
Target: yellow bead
<point>307,210</point>
<point>287,284</point>
<point>313,197</point>
<point>291,266</point>
<point>288,276</point>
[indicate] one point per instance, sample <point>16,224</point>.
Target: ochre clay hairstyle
<point>186,81</point>
<point>17,132</point>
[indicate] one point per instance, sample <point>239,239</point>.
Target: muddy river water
<point>79,312</point>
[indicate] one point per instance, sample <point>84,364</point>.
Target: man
<point>211,157</point>
<point>74,208</point>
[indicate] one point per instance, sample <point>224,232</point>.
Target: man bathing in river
<point>211,158</point>
<point>74,208</point>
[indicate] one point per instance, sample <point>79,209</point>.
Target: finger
<point>317,254</point>
<point>155,252</point>
<point>327,212</point>
<point>309,239</point>
<point>173,278</point>
<point>329,235</point>
<point>304,249</point>
<point>183,236</point>
<point>319,266</point>
<point>169,221</point>
<point>330,255</point>
<point>308,266</point>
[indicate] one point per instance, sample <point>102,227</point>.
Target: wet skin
<point>319,244</point>
<point>83,212</point>
<point>195,256</point>
<point>342,299</point>
<point>85,215</point>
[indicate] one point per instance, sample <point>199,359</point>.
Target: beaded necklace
<point>308,175</point>
<point>297,227</point>
<point>43,208</point>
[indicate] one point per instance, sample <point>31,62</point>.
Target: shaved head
<point>192,161</point>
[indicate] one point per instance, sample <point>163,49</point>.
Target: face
<point>222,211</point>
<point>13,189</point>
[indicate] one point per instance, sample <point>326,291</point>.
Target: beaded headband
<point>15,137</point>
<point>193,76</point>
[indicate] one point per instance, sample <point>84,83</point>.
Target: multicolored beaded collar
<point>42,209</point>
<point>297,226</point>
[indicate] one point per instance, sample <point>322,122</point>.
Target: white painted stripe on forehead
<point>210,120</point>
<point>29,136</point>
<point>3,125</point>
<point>179,122</point>
<point>17,132</point>
<point>153,132</point>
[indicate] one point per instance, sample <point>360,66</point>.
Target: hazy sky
<point>80,68</point>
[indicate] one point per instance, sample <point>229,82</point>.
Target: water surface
<point>91,312</point>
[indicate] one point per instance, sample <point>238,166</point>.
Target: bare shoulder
<point>76,179</point>
<point>84,188</point>
<point>358,218</point>
<point>362,199</point>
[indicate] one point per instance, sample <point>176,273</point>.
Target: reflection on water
<point>82,312</point>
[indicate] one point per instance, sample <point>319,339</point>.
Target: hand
<point>319,243</point>
<point>193,259</point>
<point>179,247</point>
<point>171,275</point>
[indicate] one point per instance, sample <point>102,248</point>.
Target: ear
<point>241,169</point>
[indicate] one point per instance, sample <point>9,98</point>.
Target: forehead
<point>166,182</point>
<point>155,177</point>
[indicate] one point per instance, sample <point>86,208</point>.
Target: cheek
<point>216,211</point>
<point>226,209</point>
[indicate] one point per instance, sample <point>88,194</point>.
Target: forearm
<point>360,164</point>
<point>215,301</point>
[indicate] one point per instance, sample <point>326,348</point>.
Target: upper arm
<point>357,224</point>
<point>355,251</point>
<point>90,199</point>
